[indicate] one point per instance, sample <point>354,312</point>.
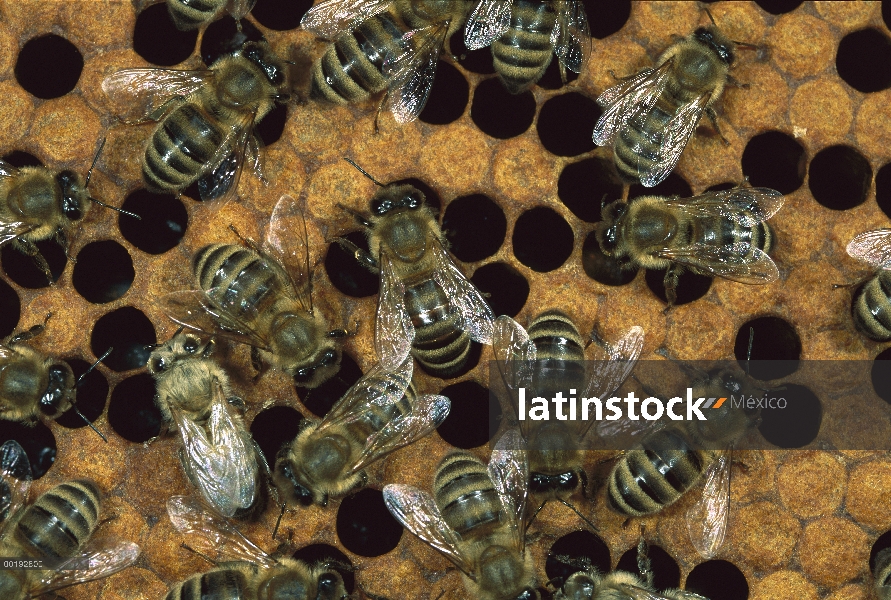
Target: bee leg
<point>733,81</point>
<point>28,334</point>
<point>671,285</point>
<point>563,76</point>
<point>361,256</point>
<point>377,115</point>
<point>644,565</point>
<point>713,117</point>
<point>246,240</point>
<point>237,403</point>
<point>855,284</point>
<point>201,554</point>
<point>29,248</point>
<point>360,218</point>
<point>257,362</point>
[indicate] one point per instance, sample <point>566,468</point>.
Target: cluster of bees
<point>260,294</point>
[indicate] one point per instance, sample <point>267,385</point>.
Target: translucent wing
<point>393,329</point>
<point>873,248</point>
<point>12,230</point>
<point>212,534</point>
<point>419,514</point>
<point>412,72</point>
<point>196,310</point>
<point>382,385</point>
<point>287,239</point>
<point>219,458</point>
<point>674,139</point>
<point>738,262</point>
<point>15,477</point>
<point>509,472</point>
<point>707,519</point>
<point>332,18</point>
<point>514,352</point>
<point>137,95</point>
<point>746,206</point>
<point>488,21</point>
<point>218,179</point>
<point>476,316</point>
<point>240,8</point>
<point>7,170</point>
<point>103,557</point>
<point>638,593</point>
<point>571,39</point>
<point>628,99</point>
<point>255,156</point>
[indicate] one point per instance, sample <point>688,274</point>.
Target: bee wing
<point>746,206</point>
<point>15,477</point>
<point>418,513</point>
<point>633,592</point>
<point>707,519</point>
<point>212,534</point>
<point>12,230</point>
<point>488,21</point>
<point>514,352</point>
<point>101,558</point>
<point>240,8</point>
<point>287,239</point>
<point>571,38</point>
<point>509,472</point>
<point>332,18</point>
<point>136,95</point>
<point>218,178</point>
<point>393,329</point>
<point>738,262</point>
<point>413,70</point>
<point>674,138</point>
<point>873,248</point>
<point>203,312</point>
<point>219,458</point>
<point>476,316</point>
<point>382,385</point>
<point>7,170</point>
<point>626,100</point>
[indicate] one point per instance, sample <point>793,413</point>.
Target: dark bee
<point>615,585</point>
<point>192,14</point>
<point>882,573</point>
<point>871,304</point>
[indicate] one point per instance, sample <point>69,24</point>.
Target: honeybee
<point>525,34</point>
<point>263,297</point>
<point>426,305</point>
<point>54,530</point>
<point>477,519</point>
<point>717,233</point>
<point>244,571</point>
<point>871,304</point>
<point>882,572</point>
<point>649,117</point>
<point>192,14</point>
<point>379,414</point>
<point>547,359</point>
<point>615,585</point>
<point>207,118</point>
<point>382,44</point>
<point>194,397</point>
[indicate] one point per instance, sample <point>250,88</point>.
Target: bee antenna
<point>575,510</point>
<point>710,17</point>
<point>95,158</point>
<point>120,210</point>
<point>87,421</point>
<point>278,521</point>
<point>361,170</point>
<point>93,366</point>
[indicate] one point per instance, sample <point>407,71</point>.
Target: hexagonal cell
<point>718,579</point>
<point>607,18</point>
<point>448,96</point>
<point>883,189</point>
<point>10,309</point>
<point>776,160</point>
<point>19,159</point>
<point>666,572</point>
<point>839,177</point>
<point>499,113</point>
<point>38,442</point>
<point>772,345</point>
<point>506,287</point>
<point>565,124</point>
<point>584,185</point>
<point>778,7</point>
<point>92,392</point>
<point>365,526</point>
<point>345,272</point>
<point>162,223</point>
<point>224,36</point>
<point>280,15</point>
<point>542,239</point>
<point>103,271</point>
<point>129,332</point>
<point>157,40</point>
<point>475,227</point>
<point>132,412</point>
<point>320,400</point>
<point>863,60</point>
<point>602,268</point>
<point>691,286</point>
<point>473,418</point>
<point>797,423</point>
<point>273,428</point>
<point>574,548</point>
<point>23,270</point>
<point>48,66</point>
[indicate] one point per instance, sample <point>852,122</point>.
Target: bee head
<point>258,55</point>
<point>289,481</point>
<point>323,368</point>
<point>70,184</point>
<point>59,394</point>
<point>394,197</point>
<point>607,231</point>
<point>709,36</point>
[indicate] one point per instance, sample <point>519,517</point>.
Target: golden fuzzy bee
<point>426,305</point>
<point>721,234</point>
<point>263,297</point>
<point>615,585</point>
<point>525,35</point>
<point>871,304</point>
<point>244,571</point>
<point>192,14</point>
<point>195,398</point>
<point>379,45</point>
<point>551,358</point>
<point>649,117</point>
<point>476,519</point>
<point>55,529</point>
<point>379,414</point>
<point>206,118</point>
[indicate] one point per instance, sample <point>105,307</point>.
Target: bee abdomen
<point>61,520</point>
<point>637,146</point>
<point>189,14</point>
<point>180,147</point>
<point>871,307</point>
<point>220,584</point>
<point>556,337</point>
<point>440,345</point>
<point>523,53</point>
<point>243,276</point>
<point>465,494</point>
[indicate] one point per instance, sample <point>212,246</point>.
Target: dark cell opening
<point>162,224</point>
<point>273,428</point>
<point>886,14</point>
<point>666,572</point>
<point>223,37</point>
<point>884,540</point>
<point>584,185</point>
<point>19,159</point>
<point>10,309</point>
<point>506,287</point>
<point>839,177</point>
<point>565,124</point>
<point>606,17</point>
<point>128,331</point>
<point>103,271</point>
<point>776,348</point>
<point>602,268</point>
<point>316,554</point>
<point>673,185</point>
<point>448,96</point>
<point>280,14</point>
<point>92,392</point>
<point>38,442</point>
<point>475,61</point>
<point>776,160</point>
<point>798,423</point>
<point>863,60</point>
<point>365,526</point>
<point>718,579</point>
<point>572,552</point>
<point>552,80</point>
<point>778,7</point>
<point>880,374</point>
<point>883,188</point>
<point>473,418</point>
<point>48,66</point>
<point>431,197</point>
<point>320,400</point>
<point>720,187</point>
<point>156,38</point>
<point>499,113</point>
<point>691,286</point>
<point>132,411</point>
<point>475,227</point>
<point>542,239</point>
<point>346,273</point>
<point>473,359</point>
<point>23,269</point>
<point>272,126</point>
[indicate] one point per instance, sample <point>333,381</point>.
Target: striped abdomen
<point>375,417</point>
<point>60,521</point>
<point>190,14</point>
<point>465,495</point>
<point>871,307</point>
<point>222,583</point>
<point>440,345</point>
<point>243,281</point>
<point>652,477</point>
<point>637,147</point>
<point>561,352</point>
<point>522,54</point>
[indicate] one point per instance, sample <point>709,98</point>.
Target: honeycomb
<point>520,185</point>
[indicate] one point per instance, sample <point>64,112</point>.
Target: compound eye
<point>381,207</point>
<point>72,211</point>
<point>413,200</point>
<point>252,53</point>
<point>612,233</point>
<point>328,358</point>
<point>158,364</point>
<point>191,345</point>
<point>304,375</point>
<point>327,582</point>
